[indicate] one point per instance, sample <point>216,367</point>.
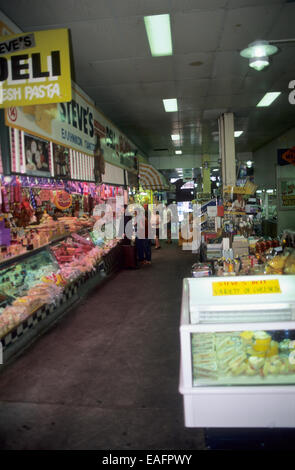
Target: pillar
<point>206,174</point>
<point>227,148</point>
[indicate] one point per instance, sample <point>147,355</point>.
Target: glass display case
<point>18,277</point>
<point>238,351</point>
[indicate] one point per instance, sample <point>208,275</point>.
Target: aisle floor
<point>106,376</point>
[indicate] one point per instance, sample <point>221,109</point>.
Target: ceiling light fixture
<point>175,137</point>
<point>178,152</point>
<point>258,52</point>
<point>170,105</point>
<point>249,163</point>
<point>268,99</point>
<point>215,169</point>
<point>158,31</point>
<point>238,133</point>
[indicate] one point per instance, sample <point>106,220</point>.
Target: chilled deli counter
<point>37,286</point>
<point>238,352</point>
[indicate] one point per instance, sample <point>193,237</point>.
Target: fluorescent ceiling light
<point>238,133</point>
<point>269,191</point>
<point>259,191</point>
<point>175,136</point>
<point>170,105</point>
<point>215,169</point>
<point>268,99</point>
<point>178,152</point>
<point>158,31</point>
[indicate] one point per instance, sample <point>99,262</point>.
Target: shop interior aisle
<point>106,376</point>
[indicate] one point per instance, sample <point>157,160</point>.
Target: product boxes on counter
<point>240,246</point>
<point>201,270</point>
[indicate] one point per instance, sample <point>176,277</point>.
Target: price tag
<point>271,286</point>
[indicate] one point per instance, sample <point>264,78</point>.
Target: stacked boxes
<point>240,246</point>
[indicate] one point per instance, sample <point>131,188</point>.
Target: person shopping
<point>144,245</point>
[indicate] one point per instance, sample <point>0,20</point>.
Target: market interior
<point>147,342</point>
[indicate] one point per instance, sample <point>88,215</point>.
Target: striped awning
<point>150,178</point>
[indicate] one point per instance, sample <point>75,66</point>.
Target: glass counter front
<point>243,358</point>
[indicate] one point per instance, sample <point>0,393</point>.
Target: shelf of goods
<point>238,352</point>
<point>38,286</point>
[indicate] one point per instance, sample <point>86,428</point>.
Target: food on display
<point>222,356</point>
<point>56,245</point>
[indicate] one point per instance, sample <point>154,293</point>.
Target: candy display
<point>231,358</point>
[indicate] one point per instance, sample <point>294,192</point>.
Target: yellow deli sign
<point>35,68</point>
<point>271,286</point>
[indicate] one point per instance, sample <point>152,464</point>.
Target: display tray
<point>26,254</point>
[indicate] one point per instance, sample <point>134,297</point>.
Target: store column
<point>206,174</point>
<point>227,148</point>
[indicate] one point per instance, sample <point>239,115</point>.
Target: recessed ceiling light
<point>238,133</point>
<point>159,34</point>
<point>268,99</point>
<point>170,105</point>
<point>178,152</point>
<point>175,136</point>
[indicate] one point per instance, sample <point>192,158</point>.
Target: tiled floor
<point>106,376</point>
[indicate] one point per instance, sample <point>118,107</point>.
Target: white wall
<point>265,159</point>
<point>266,171</point>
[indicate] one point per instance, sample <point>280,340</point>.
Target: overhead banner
<point>77,125</point>
<point>35,68</point>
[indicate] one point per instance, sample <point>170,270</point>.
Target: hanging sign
<point>62,200</point>
<point>286,156</point>
<point>35,68</point>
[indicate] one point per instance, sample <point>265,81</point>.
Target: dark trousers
<point>144,249</point>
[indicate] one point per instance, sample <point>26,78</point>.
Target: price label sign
<point>221,288</point>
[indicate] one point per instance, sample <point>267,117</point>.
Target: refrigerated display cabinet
<point>238,351</point>
<point>16,278</point>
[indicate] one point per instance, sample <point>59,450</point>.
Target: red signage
<point>62,200</point>
<point>289,156</point>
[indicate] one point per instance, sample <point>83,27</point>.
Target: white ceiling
<point>113,64</point>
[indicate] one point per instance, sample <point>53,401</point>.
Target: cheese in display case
<point>238,351</point>
<point>243,358</point>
